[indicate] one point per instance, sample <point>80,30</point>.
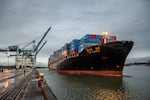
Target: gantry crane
<point>23,55</point>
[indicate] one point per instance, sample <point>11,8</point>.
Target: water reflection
<point>6,83</point>
<point>133,86</point>
<point>106,88</point>
<point>86,87</point>
<point>108,94</point>
<point>9,82</point>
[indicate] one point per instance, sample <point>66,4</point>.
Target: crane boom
<point>28,44</point>
<point>40,47</point>
<point>24,55</point>
<point>4,49</point>
<point>35,49</point>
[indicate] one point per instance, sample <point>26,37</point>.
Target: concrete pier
<point>38,89</point>
<point>29,88</point>
<point>32,90</point>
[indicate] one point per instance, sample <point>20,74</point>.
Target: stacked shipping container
<point>74,44</point>
<point>89,40</point>
<point>65,50</point>
<point>112,39</point>
<point>77,46</point>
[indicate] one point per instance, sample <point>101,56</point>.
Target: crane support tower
<point>25,56</point>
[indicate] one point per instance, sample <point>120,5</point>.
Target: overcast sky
<point>22,21</point>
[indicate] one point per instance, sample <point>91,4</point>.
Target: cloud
<point>25,20</point>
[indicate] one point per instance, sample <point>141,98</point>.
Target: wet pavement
<point>33,91</point>
<point>24,86</point>
<point>10,78</point>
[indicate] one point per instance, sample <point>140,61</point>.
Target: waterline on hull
<point>88,72</point>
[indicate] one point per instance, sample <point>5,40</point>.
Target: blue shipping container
<point>76,41</point>
<point>90,41</point>
<point>80,49</point>
<point>74,48</point>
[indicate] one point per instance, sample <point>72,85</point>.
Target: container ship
<point>92,54</point>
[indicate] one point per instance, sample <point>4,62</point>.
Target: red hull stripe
<point>100,73</point>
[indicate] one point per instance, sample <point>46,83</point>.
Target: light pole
<point>8,55</point>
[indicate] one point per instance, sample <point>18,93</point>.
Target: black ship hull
<point>107,59</point>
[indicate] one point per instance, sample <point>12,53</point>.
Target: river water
<point>134,85</point>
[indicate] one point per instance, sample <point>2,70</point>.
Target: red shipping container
<point>115,38</point>
<point>92,36</point>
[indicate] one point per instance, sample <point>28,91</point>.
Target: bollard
<point>41,76</point>
<point>41,79</point>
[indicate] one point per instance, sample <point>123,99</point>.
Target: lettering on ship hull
<point>93,50</point>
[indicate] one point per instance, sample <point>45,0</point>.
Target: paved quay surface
<point>32,90</point>
<point>37,90</point>
<point>29,88</point>
<point>8,74</point>
<point>10,78</point>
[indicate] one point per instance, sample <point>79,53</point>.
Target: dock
<point>29,88</point>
